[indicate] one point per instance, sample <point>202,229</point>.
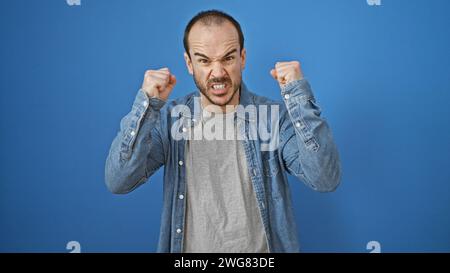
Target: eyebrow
<point>206,57</point>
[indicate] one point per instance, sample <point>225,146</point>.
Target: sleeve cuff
<point>142,101</point>
<point>299,88</point>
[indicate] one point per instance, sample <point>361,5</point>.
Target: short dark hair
<point>209,17</point>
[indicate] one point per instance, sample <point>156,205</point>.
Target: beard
<point>204,89</point>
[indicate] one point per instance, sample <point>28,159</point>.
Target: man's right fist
<point>158,83</point>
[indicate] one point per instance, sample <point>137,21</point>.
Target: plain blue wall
<point>380,73</point>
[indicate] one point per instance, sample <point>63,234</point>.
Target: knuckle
<point>149,73</point>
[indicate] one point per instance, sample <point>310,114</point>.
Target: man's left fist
<point>286,72</point>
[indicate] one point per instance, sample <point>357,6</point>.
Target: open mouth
<point>219,89</point>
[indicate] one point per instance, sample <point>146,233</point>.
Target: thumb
<point>172,80</point>
<point>273,72</point>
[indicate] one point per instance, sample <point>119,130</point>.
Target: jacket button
<point>286,96</point>
<point>181,196</point>
<point>180,163</point>
<point>178,230</point>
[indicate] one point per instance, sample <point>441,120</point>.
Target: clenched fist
<point>158,83</point>
<point>286,72</point>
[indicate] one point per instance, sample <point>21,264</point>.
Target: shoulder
<point>259,100</point>
<point>177,102</point>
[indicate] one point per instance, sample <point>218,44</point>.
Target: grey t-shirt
<point>222,213</point>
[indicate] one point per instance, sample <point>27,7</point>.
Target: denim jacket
<point>304,149</point>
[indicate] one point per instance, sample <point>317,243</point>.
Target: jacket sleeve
<point>137,151</point>
<point>307,147</point>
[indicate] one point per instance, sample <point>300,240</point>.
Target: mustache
<point>219,80</point>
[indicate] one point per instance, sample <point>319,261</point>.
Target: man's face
<point>216,62</point>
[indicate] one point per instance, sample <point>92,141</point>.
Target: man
<point>223,194</point>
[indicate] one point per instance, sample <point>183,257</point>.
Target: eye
<point>229,58</point>
<point>203,61</point>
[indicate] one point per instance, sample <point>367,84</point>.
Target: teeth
<point>218,86</point>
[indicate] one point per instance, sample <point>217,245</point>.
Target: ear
<point>243,58</point>
<point>188,63</point>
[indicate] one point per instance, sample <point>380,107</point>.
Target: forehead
<point>213,40</point>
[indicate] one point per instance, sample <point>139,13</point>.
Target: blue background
<point>380,73</point>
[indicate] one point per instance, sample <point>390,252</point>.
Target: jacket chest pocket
<point>273,177</point>
<point>271,165</point>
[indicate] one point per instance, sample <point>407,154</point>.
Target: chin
<point>220,101</point>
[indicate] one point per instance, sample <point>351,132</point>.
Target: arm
<point>138,149</point>
<point>306,146</point>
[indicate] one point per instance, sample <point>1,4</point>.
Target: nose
<point>217,70</point>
